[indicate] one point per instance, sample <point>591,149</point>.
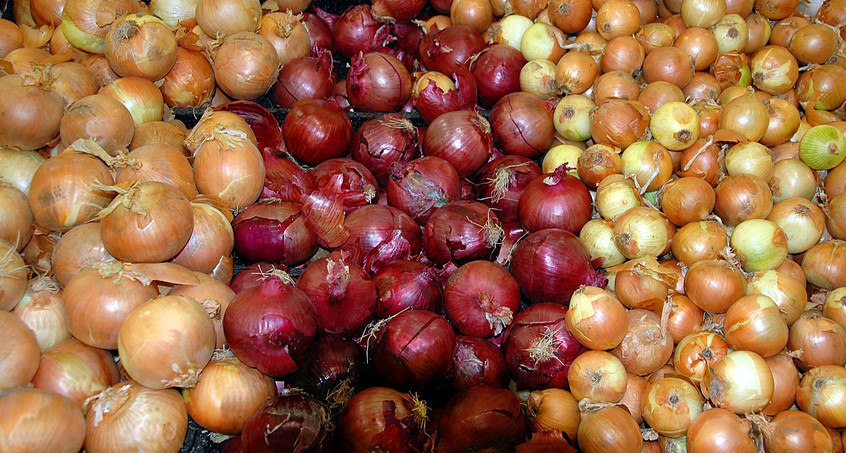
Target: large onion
<point>40,420</point>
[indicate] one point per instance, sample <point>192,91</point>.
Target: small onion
<point>596,318</point>
<point>609,429</point>
<point>820,341</point>
<point>76,371</point>
<point>754,323</point>
<point>759,244</point>
<point>553,409</point>
<point>597,377</point>
<point>825,264</point>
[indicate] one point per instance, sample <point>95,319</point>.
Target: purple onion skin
<point>477,361</point>
<point>406,284</point>
<point>341,293</point>
<point>332,361</point>
<point>294,421</point>
<point>538,349</point>
<point>273,231</point>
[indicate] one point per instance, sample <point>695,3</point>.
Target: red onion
<point>432,100</point>
<point>255,274</point>
<point>397,10</point>
<point>381,418</point>
<point>501,181</point>
<point>358,31</point>
<point>407,284</point>
<point>274,231</point>
<point>341,293</point>
<point>538,348</point>
<point>319,32</point>
<point>358,186</point>
<point>497,73</point>
<point>339,95</point>
<point>445,50</point>
<point>482,418</point>
<point>262,122</point>
<point>316,130</point>
<point>423,185</point>
<point>304,78</point>
<point>335,365</point>
<point>476,361</point>
<point>461,138</point>
<point>411,350</point>
<point>409,36</point>
<point>513,232</point>
<point>293,421</point>
<point>557,200</point>
<point>284,179</point>
<point>551,264</point>
<point>480,299</point>
<point>461,231</point>
<point>377,82</point>
<point>522,124</point>
<point>270,327</point>
<point>380,235</point>
<point>381,141</point>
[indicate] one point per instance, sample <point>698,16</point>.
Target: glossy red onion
<point>407,284</point>
<point>341,293</point>
<point>481,298</point>
<point>270,327</point>
<point>380,235</point>
<point>461,138</point>
<point>522,124</point>
<point>497,72</point>
<point>377,82</point>
<point>423,185</point>
<point>316,130</point>
<point>319,32</point>
<point>461,231</point>
<point>557,200</point>
<point>381,141</point>
<point>445,50</point>
<point>358,31</point>
<point>477,361</point>
<point>538,348</point>
<point>292,421</point>
<point>304,78</point>
<point>255,274</point>
<point>274,231</point>
<point>551,264</point>
<point>398,10</point>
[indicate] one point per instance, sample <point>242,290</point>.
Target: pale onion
<point>754,323</point>
<point>670,405</point>
<point>732,33</point>
<point>166,342</point>
<point>695,353</point>
<point>212,238</point>
<point>19,362</point>
<point>698,13</point>
<point>787,292</point>
<point>819,341</point>
<point>214,296</point>
<point>834,307</point>
<point>86,22</point>
<point>245,65</point>
<point>140,45</point>
<point>793,178</point>
<point>559,155</point>
<point>597,377</point>
<point>43,311</point>
<point>39,420</point>
<point>16,219</point>
<point>802,222</point>
<point>19,167</point>
<point>643,232</point>
<point>76,371</point>
<point>140,96</point>
<point>80,247</point>
<point>822,147</point>
<point>543,42</point>
<point>572,117</point>
<point>130,417</point>
<point>172,12</point>
<point>740,382</point>
<point>759,244</point>
<point>597,235</point>
<point>98,299</point>
<point>286,32</point>
<point>615,195</point>
<point>553,408</point>
<point>649,162</point>
<point>825,264</point>
<point>675,125</point>
<point>538,77</point>
<point>229,166</point>
<point>750,158</point>
<point>822,393</point>
<point>221,18</point>
<point>510,29</point>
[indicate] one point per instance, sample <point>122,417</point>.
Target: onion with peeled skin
<point>422,185</point>
<point>476,361</point>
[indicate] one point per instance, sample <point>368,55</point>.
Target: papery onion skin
<point>380,235</point>
<point>646,346</point>
<point>480,299</point>
<point>406,283</point>
<point>502,181</point>
<point>20,363</point>
<point>381,418</point>
<point>696,352</point>
<point>551,264</point>
<point>383,140</point>
<point>423,185</point>
<point>40,420</point>
<point>786,380</point>
<point>291,421</point>
<point>740,382</point>
<point>821,394</point>
<point>274,231</point>
<point>460,232</point>
<point>76,371</point>
<point>476,361</point>
<point>716,429</point>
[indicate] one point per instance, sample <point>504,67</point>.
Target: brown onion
<point>39,420</point>
<point>245,65</point>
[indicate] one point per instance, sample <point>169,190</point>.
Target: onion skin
<point>380,235</point>
<point>292,421</point>
<point>406,283</point>
<point>381,418</point>
<point>335,364</point>
<point>76,371</point>
<point>557,200</point>
<point>719,429</point>
<point>423,185</point>
<point>460,232</point>
<point>40,420</point>
<point>480,298</point>
<point>20,362</point>
<point>273,231</point>
<point>477,361</point>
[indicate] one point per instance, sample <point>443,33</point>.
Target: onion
<point>341,293</point>
<point>160,132</point>
<point>596,318</point>
<point>190,82</point>
<point>618,122</point>
<point>719,429</point>
<point>20,167</point>
<point>553,409</point>
<point>157,162</point>
<point>786,291</point>
<point>740,382</point>
<point>538,348</point>
<point>696,352</point>
<point>215,298</point>
<point>21,363</point>
<point>380,235</point>
<point>643,232</point>
<point>481,418</point>
<point>754,323</point>
<point>675,125</point>
<point>39,420</point>
<point>407,284</point>
<point>551,264</point>
<point>742,197</point>
<point>597,235</point>
<point>615,195</point>
<point>140,45</point>
<point>461,231</point>
<point>698,241</point>
<point>227,394</point>
<point>616,84</point>
<point>140,96</point>
<point>42,310</point>
<point>377,82</point>
<point>820,392</point>
<point>224,18</point>
<point>824,264</point>
<point>125,414</point>
<point>461,138</point>
<point>646,347</point>
<point>597,377</point>
<point>18,220</point>
<point>476,361</point>
<point>285,179</point>
<point>480,299</point>
<point>245,65</point>
<point>304,78</point>
<point>819,340</point>
<point>100,118</point>
<point>263,125</point>
<point>686,200</point>
<point>80,247</point>
<point>496,69</point>
<point>348,180</point>
<point>273,349</point>
<point>759,244</point>
<point>502,181</point>
<point>381,417</point>
<point>76,371</point>
<point>289,421</point>
<point>316,130</point>
<point>336,367</point>
<point>556,200</point>
<point>608,428</point>
<point>286,32</point>
<point>649,162</point>
<point>670,405</point>
<point>522,124</point>
<point>445,50</point>
<point>713,285</point>
<point>357,30</point>
<point>794,429</point>
<point>785,380</point>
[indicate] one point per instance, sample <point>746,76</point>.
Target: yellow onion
<point>39,420</point>
<point>754,323</point>
<point>140,45</point>
<point>554,408</point>
<point>597,235</point>
<point>43,311</point>
<point>76,371</point>
<point>140,96</point>
<point>740,382</point>
<point>643,232</point>
<point>787,292</point>
<point>670,405</point>
<point>675,125</point>
<point>822,393</point>
<point>20,363</point>
<point>759,244</point>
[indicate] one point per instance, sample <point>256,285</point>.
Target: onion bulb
<point>740,382</point>
<point>40,420</point>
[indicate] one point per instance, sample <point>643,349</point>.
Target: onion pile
<point>454,225</point>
